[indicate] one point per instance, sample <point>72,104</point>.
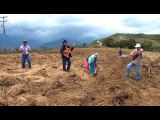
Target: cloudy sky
<point>48,27</point>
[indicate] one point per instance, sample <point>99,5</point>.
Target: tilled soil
<point>46,84</point>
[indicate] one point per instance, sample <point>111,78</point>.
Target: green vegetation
<point>94,44</point>
<point>148,42</point>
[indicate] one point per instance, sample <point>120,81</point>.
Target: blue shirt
<point>92,59</point>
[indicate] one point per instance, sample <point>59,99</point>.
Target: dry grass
<point>47,85</point>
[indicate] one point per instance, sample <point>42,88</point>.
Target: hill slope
<point>155,38</point>
<point>139,38</point>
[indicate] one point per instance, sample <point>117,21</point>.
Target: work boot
<point>29,65</point>
<point>23,66</point>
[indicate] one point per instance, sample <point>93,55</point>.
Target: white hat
<point>97,55</point>
<point>138,45</point>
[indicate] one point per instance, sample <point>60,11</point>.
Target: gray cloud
<point>133,22</point>
<point>48,27</point>
<point>58,31</point>
<point>141,24</point>
<point>68,20</point>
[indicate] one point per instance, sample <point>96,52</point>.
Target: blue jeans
<point>24,58</point>
<point>64,60</point>
<point>138,68</point>
<point>92,68</point>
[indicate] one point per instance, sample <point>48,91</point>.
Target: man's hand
<point>74,44</point>
<point>21,50</point>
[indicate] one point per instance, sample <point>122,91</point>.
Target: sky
<point>49,27</point>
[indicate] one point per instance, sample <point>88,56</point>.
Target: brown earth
<point>47,85</point>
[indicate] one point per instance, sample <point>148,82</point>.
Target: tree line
<point>130,44</point>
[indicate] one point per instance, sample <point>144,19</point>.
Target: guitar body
<point>136,55</point>
<point>67,52</point>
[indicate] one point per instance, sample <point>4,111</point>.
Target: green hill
<point>148,41</point>
<point>140,38</point>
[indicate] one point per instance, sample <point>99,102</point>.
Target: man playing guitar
<point>66,54</point>
<point>137,56</point>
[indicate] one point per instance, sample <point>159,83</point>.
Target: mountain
<point>13,41</point>
<point>58,43</point>
<point>53,44</point>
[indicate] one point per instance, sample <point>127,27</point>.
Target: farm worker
<point>25,54</point>
<point>66,55</point>
<point>137,56</point>
<point>120,51</point>
<point>86,64</point>
<point>92,63</point>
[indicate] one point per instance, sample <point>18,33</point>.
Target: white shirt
<point>138,60</point>
<point>25,49</point>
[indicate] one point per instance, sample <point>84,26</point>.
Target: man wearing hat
<point>25,54</point>
<point>92,63</point>
<point>137,56</point>
<point>66,55</point>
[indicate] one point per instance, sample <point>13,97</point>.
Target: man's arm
<point>134,55</point>
<point>21,49</point>
<point>95,60</point>
<point>72,48</point>
<point>142,55</point>
<point>61,50</point>
<point>29,48</point>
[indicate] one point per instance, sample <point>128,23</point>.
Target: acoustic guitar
<point>136,55</point>
<point>67,52</point>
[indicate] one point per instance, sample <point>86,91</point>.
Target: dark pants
<point>120,53</point>
<point>64,60</point>
<point>24,58</point>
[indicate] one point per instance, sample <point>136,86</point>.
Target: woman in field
<point>92,63</point>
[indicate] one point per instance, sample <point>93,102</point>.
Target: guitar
<point>134,56</point>
<point>67,52</point>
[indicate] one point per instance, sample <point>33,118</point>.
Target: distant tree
<point>117,44</point>
<point>43,47</point>
<point>16,49</point>
<point>109,42</point>
<point>84,44</point>
<point>131,43</point>
<point>147,45</point>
